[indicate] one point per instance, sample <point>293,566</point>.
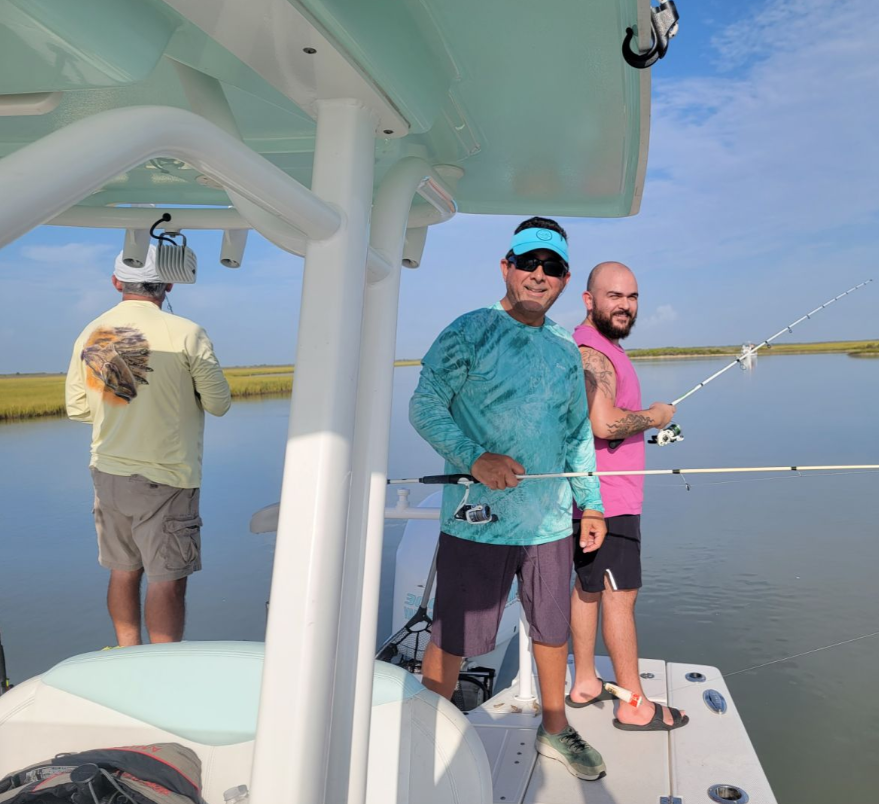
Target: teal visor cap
<point>534,239</point>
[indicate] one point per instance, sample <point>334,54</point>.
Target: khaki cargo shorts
<point>147,525</point>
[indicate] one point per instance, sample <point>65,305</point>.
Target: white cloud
<point>76,255</point>
<point>761,178</point>
<point>664,314</point>
<point>783,151</point>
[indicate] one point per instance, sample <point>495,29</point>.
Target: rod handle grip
<point>447,480</point>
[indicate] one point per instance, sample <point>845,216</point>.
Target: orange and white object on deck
<point>631,698</point>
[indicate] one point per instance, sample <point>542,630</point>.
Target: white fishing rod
<point>482,515</point>
<point>463,479</point>
<point>672,432</point>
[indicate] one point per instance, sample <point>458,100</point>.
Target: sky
<point>761,202</point>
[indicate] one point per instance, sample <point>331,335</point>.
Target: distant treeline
<point>30,396</point>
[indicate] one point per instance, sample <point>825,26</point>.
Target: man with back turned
<point>143,379</point>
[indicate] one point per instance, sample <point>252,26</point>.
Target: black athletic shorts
<point>618,559</point>
<point>473,582</point>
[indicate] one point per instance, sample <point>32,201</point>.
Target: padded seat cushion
<point>207,692</point>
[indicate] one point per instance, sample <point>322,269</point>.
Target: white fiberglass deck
<point>642,768</point>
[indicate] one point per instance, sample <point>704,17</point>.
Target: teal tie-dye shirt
<point>492,384</point>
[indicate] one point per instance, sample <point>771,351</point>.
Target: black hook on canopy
<point>664,25</point>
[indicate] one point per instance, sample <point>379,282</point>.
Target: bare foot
<point>642,715</point>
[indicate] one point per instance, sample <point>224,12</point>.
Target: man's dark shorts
<point>473,585</point>
<point>618,559</point>
<point>146,525</point>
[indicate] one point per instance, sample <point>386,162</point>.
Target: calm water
<point>737,574</point>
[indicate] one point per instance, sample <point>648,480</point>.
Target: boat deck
<point>676,767</point>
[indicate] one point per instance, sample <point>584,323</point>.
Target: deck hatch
<point>715,701</point>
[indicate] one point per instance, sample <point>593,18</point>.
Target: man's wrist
<point>474,456</point>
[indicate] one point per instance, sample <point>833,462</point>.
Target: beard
<point>611,330</point>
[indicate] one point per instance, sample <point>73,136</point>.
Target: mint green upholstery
<point>391,684</point>
<point>207,692</point>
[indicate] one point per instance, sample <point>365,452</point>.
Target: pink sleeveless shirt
<point>621,495</point>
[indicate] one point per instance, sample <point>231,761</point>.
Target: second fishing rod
<point>673,432</point>
<point>482,515</point>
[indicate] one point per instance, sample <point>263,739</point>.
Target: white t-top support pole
<point>360,589</point>
<point>291,756</point>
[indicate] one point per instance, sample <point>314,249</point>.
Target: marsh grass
<point>31,396</point>
<point>853,348</point>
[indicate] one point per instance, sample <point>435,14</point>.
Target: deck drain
<point>727,792</point>
<point>695,677</point>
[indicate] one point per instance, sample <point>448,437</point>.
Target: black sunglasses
<point>556,268</point>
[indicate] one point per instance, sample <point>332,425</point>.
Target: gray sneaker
<point>569,748</point>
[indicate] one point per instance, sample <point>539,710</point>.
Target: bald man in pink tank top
<point>609,578</point>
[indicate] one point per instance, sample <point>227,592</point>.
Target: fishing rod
<point>433,480</point>
<point>672,432</point>
<point>482,515</point>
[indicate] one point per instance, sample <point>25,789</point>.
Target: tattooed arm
<point>609,421</point>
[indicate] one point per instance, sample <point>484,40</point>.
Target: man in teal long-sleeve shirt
<point>501,393</point>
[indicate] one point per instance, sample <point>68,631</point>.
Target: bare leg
<point>552,667</point>
<point>165,610</point>
<point>123,603</point>
<point>618,630</point>
<point>440,670</point>
<point>584,628</point>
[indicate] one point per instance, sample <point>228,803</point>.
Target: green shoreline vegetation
<point>31,396</point>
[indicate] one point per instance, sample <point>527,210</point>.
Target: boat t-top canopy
<point>533,104</point>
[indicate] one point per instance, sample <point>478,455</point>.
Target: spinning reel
<point>668,435</point>
<point>473,514</point>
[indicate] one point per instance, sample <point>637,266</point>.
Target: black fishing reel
<point>475,514</point>
<point>668,435</point>
<point>472,514</point>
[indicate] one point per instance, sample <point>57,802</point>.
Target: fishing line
<point>744,669</point>
<point>785,659</point>
<point>804,653</point>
